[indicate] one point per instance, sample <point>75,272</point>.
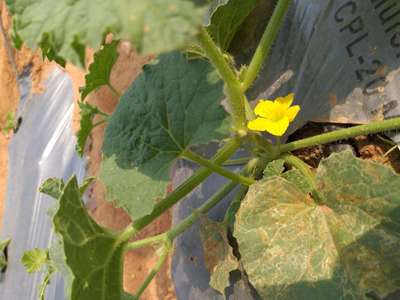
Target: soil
<point>374,147</point>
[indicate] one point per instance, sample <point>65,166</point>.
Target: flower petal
<point>265,109</point>
<point>285,101</point>
<point>292,112</point>
<point>258,124</point>
<point>277,128</point>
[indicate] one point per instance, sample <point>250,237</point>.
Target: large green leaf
<point>93,254</point>
<point>227,17</point>
<point>345,247</point>
<point>153,26</point>
<point>170,107</point>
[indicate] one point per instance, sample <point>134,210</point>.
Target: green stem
<point>187,222</point>
<point>301,166</point>
<point>342,134</point>
<point>203,209</point>
<point>265,44</point>
<point>236,97</point>
<point>199,176</point>
<point>150,241</point>
<point>113,90</point>
<point>170,235</point>
<point>229,218</point>
<point>164,255</point>
<point>216,168</point>
<point>237,161</point>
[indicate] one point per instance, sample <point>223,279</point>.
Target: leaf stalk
<point>188,154</point>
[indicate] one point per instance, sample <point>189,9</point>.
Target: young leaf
<point>38,260</point>
<point>87,112</point>
<point>218,254</point>
<point>35,260</point>
<point>93,254</point>
<point>343,248</point>
<point>226,19</point>
<point>153,26</point>
<point>170,107</point>
<point>3,257</point>
<point>52,187</point>
<point>100,69</point>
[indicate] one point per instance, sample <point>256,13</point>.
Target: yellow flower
<point>274,116</point>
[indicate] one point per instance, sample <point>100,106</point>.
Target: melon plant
<point>330,233</point>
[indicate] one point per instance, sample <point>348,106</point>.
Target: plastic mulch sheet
<point>43,147</point>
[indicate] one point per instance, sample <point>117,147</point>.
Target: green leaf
<point>35,260</point>
<point>93,254</point>
<point>153,26</point>
<point>297,179</point>
<point>3,257</point>
<point>38,260</point>
<point>59,260</point>
<point>87,112</point>
<point>169,108</point>
<point>226,19</point>
<point>52,187</point>
<point>218,254</point>
<point>341,248</point>
<point>100,69</point>
<point>46,46</point>
<point>274,168</point>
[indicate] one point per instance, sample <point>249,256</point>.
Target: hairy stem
<point>217,168</point>
<point>198,177</point>
<point>265,44</point>
<point>236,97</point>
<point>342,134</point>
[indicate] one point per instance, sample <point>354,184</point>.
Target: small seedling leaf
<point>52,187</point>
<point>35,260</point>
